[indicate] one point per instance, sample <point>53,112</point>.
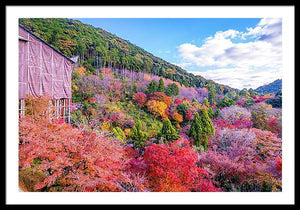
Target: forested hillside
<point>98,48</point>
<point>272,87</point>
<point>133,129</point>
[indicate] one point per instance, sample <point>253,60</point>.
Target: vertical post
<point>27,63</point>
<point>40,66</point>
<point>69,111</point>
<point>22,107</point>
<point>64,109</point>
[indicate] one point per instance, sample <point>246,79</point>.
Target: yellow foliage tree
<point>81,71</point>
<point>157,108</point>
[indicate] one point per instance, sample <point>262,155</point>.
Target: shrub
<point>70,159</point>
<point>244,160</point>
<point>39,107</point>
<point>140,98</point>
<point>232,113</point>
<point>225,102</point>
<point>259,115</point>
<point>275,126</point>
<point>172,168</point>
<point>157,108</point>
<point>120,135</point>
<point>159,96</point>
<point>183,107</point>
<point>177,118</point>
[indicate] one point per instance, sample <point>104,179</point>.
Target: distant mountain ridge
<point>97,48</point>
<point>272,87</point>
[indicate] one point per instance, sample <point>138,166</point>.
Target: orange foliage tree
<point>160,96</point>
<point>157,108</point>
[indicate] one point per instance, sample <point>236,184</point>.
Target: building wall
<point>42,70</point>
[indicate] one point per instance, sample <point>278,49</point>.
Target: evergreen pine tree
<point>211,94</point>
<point>138,135</point>
<point>152,87</point>
<point>201,128</point>
<point>172,90</point>
<point>196,103</point>
<point>168,132</point>
<point>161,86</point>
<point>205,102</point>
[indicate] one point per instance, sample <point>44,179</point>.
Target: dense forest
<point>97,48</point>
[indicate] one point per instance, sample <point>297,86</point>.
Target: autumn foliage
<point>140,99</point>
<point>157,108</point>
<point>172,168</point>
<point>73,159</point>
<point>125,138</point>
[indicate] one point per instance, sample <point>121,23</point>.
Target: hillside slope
<point>97,48</point>
<point>272,87</point>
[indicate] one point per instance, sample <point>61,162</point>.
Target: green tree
<point>225,102</point>
<point>119,133</point>
<point>161,86</point>
<point>172,90</point>
<point>211,94</point>
<point>249,102</point>
<point>205,102</point>
<point>201,129</point>
<point>210,112</point>
<point>138,135</point>
<point>168,132</point>
<point>252,92</point>
<point>152,87</point>
<point>183,107</point>
<point>232,95</point>
<point>196,103</point>
<point>216,114</point>
<point>244,92</point>
<point>259,117</point>
<point>275,102</point>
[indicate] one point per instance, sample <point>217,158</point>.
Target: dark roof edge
<point>45,43</point>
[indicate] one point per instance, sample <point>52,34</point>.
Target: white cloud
<point>238,63</point>
<point>241,77</point>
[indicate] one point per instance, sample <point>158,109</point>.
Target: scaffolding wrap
<point>43,71</point>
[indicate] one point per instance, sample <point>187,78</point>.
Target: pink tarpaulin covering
<point>42,70</point>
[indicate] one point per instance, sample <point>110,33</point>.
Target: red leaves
<point>140,99</point>
<point>161,97</point>
<point>172,167</point>
<point>278,164</point>
<point>69,154</point>
<point>177,101</point>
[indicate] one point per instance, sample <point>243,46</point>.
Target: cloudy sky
<point>239,52</point>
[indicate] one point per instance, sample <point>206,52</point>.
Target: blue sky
<point>239,52</point>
